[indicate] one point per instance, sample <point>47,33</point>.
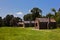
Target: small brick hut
<point>45,23</point>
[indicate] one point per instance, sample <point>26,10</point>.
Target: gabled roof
<point>45,19</point>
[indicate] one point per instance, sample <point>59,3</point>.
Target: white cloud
<point>0,8</point>
<point>19,13</point>
<point>29,10</point>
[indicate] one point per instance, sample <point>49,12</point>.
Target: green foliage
<point>1,21</point>
<point>28,17</point>
<point>7,19</point>
<point>58,18</point>
<point>17,33</point>
<point>59,10</point>
<point>53,9</point>
<point>50,15</point>
<point>36,13</point>
<point>10,20</point>
<point>14,21</point>
<point>36,10</point>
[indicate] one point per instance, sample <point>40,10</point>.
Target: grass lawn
<point>17,33</point>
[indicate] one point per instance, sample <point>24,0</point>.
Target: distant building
<point>27,23</point>
<point>40,23</point>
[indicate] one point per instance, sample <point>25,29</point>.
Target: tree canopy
<point>35,13</point>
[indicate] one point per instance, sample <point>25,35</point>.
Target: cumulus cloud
<point>0,8</point>
<point>29,10</point>
<point>19,13</point>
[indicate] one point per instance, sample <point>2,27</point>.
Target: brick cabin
<point>40,23</point>
<point>45,23</point>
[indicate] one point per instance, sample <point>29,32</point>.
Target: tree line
<point>35,12</point>
<point>9,20</point>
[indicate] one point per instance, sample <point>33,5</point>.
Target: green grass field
<point>17,33</point>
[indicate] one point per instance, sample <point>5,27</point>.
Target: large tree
<point>28,17</point>
<point>36,12</point>
<point>0,21</point>
<point>7,20</point>
<point>50,15</point>
<point>57,16</point>
<point>14,21</point>
<point>53,9</point>
<point>59,9</point>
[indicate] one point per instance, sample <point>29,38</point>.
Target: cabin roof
<point>45,19</point>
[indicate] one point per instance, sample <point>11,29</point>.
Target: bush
<point>58,25</point>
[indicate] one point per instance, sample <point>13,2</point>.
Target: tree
<point>28,17</point>
<point>59,10</point>
<point>0,21</point>
<point>53,9</point>
<point>57,16</point>
<point>14,21</point>
<point>18,19</point>
<point>50,15</point>
<point>36,12</point>
<point>7,20</point>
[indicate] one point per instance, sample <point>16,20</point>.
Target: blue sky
<point>21,7</point>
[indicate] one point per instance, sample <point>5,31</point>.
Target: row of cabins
<point>40,23</point>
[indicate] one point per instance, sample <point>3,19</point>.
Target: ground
<point>18,33</point>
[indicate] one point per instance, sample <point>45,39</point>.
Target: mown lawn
<point>17,33</point>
